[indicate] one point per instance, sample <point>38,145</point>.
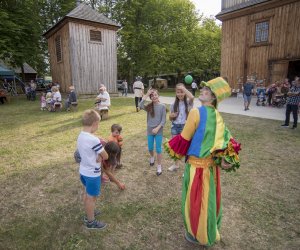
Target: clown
<point>203,135</point>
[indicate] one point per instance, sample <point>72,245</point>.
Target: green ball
<point>188,79</point>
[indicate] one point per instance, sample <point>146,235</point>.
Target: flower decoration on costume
<point>177,147</point>
<point>230,155</point>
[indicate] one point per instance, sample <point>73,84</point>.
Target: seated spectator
<point>56,97</point>
<point>285,87</point>
<point>103,99</point>
<point>71,97</point>
<point>3,96</point>
<point>48,98</point>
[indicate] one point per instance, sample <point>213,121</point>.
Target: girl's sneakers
<point>173,168</point>
<point>151,162</point>
<point>159,170</point>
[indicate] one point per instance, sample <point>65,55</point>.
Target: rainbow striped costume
<point>204,132</point>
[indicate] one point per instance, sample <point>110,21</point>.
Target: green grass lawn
<point>41,194</point>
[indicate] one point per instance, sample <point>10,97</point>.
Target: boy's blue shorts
<point>92,185</point>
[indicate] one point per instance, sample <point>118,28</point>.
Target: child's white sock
<point>152,159</point>
<point>159,169</point>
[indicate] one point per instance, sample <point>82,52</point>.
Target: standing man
<point>293,100</point>
<point>248,88</point>
<point>194,88</point>
<point>125,88</point>
<point>138,88</point>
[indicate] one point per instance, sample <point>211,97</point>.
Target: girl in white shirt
<point>179,110</point>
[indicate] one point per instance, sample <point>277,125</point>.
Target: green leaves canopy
<point>165,36</point>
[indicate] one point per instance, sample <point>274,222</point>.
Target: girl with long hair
<point>179,111</point>
<point>156,119</point>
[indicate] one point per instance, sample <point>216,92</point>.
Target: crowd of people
<point>190,139</point>
<point>50,97</point>
<point>274,95</point>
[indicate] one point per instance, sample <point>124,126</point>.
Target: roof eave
<point>66,19</point>
<point>225,15</point>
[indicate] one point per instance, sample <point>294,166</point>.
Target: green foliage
<point>22,26</point>
<point>159,36</point>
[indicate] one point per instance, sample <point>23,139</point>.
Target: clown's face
<point>206,95</point>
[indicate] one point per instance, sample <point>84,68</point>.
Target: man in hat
<point>71,98</point>
<point>138,88</point>
<point>203,134</point>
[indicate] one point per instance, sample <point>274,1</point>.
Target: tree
<point>163,36</point>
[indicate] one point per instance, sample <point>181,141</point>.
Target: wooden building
<point>83,51</point>
<point>260,38</point>
<point>28,74</point>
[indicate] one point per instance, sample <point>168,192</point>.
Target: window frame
<point>261,32</point>
<point>58,52</point>
<point>94,40</point>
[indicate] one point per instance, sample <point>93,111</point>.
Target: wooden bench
<point>57,106</point>
<point>74,106</point>
<point>103,114</point>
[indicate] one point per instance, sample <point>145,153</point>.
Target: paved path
<point>234,105</point>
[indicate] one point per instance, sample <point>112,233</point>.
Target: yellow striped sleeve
<point>219,137</point>
<point>191,124</point>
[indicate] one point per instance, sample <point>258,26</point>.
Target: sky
<point>208,7</point>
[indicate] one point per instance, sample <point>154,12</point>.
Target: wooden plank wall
<point>233,50</point>
<point>93,63</point>
<point>60,71</point>
<point>240,54</point>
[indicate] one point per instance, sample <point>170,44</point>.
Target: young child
<point>179,111</point>
<point>112,149</point>
<point>116,137</point>
<point>43,101</point>
<point>91,153</point>
<point>156,119</point>
<point>48,100</point>
<point>72,97</point>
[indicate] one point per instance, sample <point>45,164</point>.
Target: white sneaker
<point>173,168</point>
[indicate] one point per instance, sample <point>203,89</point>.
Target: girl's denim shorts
<point>176,129</point>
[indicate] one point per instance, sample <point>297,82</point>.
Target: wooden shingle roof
<point>27,69</point>
<point>240,6</point>
<point>248,7</point>
<point>85,13</point>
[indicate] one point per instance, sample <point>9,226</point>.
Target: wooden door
<point>278,70</point>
